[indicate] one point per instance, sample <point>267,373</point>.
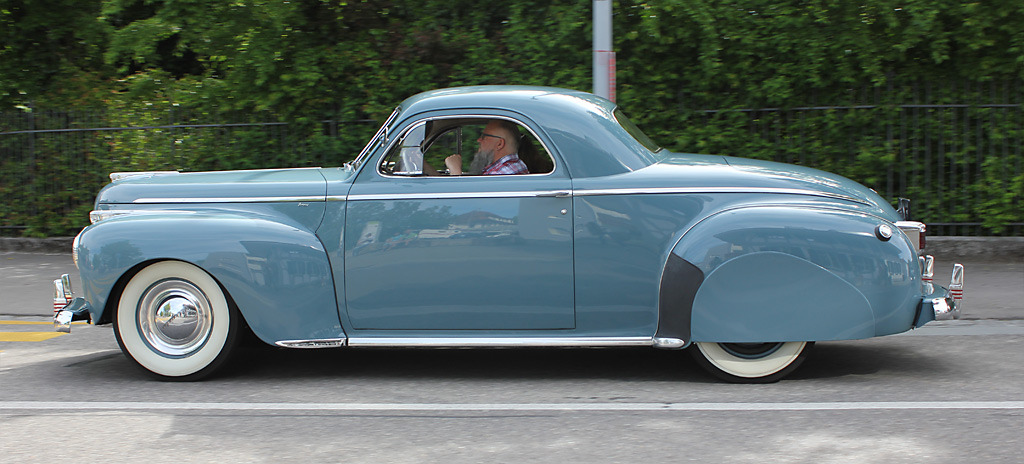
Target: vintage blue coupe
<point>607,241</point>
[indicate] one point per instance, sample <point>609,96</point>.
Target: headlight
<point>74,247</point>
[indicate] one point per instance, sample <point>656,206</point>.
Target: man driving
<point>497,152</point>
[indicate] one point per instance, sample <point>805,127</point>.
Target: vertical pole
<point>32,187</point>
<point>172,122</point>
<point>604,56</point>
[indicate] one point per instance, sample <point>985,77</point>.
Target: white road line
<point>824,406</point>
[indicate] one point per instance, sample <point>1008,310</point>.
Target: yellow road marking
<point>36,322</point>
<point>28,336</point>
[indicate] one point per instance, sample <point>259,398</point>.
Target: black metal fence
<point>954,149</point>
<point>52,163</point>
<point>959,161</point>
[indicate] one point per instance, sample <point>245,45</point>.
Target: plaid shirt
<point>508,164</point>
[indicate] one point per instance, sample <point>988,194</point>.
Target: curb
<point>37,245</point>
<point>1000,248</point>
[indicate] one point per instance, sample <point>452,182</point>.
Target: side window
<point>458,140</point>
<point>423,148</point>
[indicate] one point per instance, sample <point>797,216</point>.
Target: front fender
<point>277,274</point>
<point>774,273</point>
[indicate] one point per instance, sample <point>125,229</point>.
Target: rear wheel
<point>174,321</point>
<point>751,362</point>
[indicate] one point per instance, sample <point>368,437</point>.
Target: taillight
<point>915,231</point>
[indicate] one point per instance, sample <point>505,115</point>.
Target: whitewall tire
<point>751,362</point>
<point>174,321</point>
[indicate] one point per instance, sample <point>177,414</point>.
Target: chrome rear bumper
<point>944,303</point>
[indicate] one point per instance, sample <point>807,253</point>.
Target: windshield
<point>635,131</point>
<point>380,138</point>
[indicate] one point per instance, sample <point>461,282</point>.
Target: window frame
<point>483,117</point>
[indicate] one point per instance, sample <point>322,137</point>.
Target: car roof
<point>581,125</point>
<point>515,97</point>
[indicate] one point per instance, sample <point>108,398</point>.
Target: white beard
<point>481,160</point>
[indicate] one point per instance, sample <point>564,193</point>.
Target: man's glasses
<point>491,135</point>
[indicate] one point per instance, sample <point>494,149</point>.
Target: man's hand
<point>454,163</point>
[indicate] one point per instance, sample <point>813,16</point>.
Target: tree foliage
<point>50,52</point>
<point>304,61</point>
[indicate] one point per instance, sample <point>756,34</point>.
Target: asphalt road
<point>950,392</point>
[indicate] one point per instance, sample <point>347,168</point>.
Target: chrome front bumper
<point>944,303</point>
<point>67,308</point>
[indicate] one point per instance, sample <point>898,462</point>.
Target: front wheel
<point>750,362</point>
<point>174,321</point>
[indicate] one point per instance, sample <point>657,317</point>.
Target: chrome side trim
<point>320,343</point>
<point>500,342</point>
<point>229,200</point>
<point>691,190</point>
<point>508,194</point>
<point>453,195</point>
<point>104,214</point>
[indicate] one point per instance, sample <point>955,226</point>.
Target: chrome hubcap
<point>175,317</point>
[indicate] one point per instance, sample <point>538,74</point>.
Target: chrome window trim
<point>229,200</point>
<point>498,342</point>
<point>365,152</point>
<point>414,124</point>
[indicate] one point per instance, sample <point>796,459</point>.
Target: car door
<point>471,252</point>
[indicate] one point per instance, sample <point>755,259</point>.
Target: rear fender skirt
<point>771,296</point>
<point>781,273</point>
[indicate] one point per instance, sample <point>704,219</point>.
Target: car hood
<point>302,184</point>
<point>676,170</point>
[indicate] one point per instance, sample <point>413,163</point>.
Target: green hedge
<point>305,61</point>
